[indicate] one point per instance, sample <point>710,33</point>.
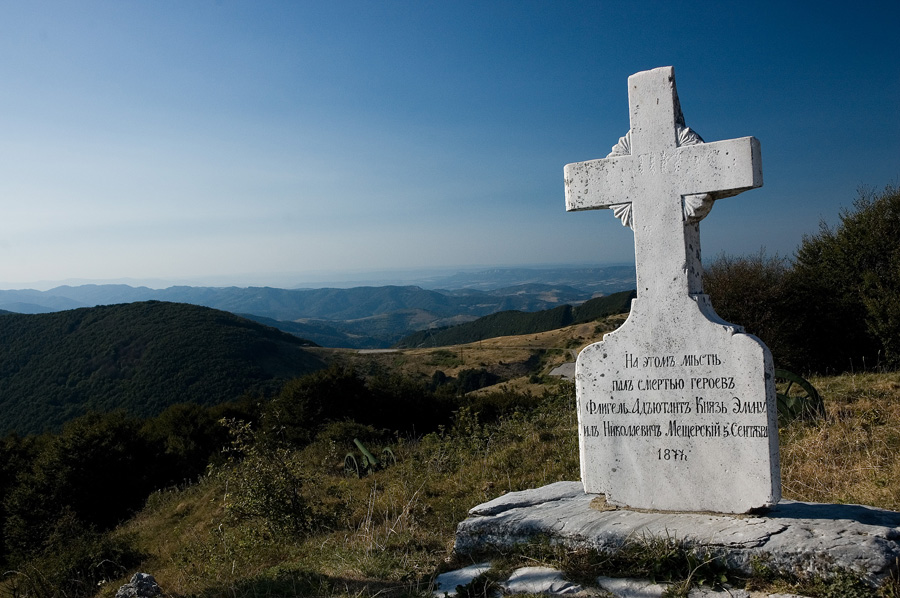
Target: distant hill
<point>31,301</point>
<point>374,332</point>
<point>320,332</point>
<point>141,357</point>
<point>294,304</point>
<point>598,279</point>
<point>20,307</point>
<point>359,317</point>
<point>510,323</point>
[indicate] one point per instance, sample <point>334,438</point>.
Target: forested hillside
<point>139,357</point>
<point>509,323</point>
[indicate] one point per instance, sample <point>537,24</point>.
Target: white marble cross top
<point>661,180</point>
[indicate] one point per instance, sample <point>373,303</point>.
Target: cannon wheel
<point>351,467</point>
<point>388,457</point>
<point>796,398</point>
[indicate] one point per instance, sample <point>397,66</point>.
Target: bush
<point>187,437</point>
<point>846,282</point>
<point>305,403</point>
<point>98,469</point>
<point>264,481</point>
<point>837,307</point>
<point>75,559</point>
<point>754,292</point>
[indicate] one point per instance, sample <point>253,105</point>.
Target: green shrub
<point>305,403</point>
<point>264,482</point>
<point>98,468</point>
<point>753,292</point>
<point>837,307</point>
<point>848,281</point>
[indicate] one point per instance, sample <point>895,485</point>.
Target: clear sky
<point>270,142</point>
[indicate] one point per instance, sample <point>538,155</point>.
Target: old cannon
<point>366,463</point>
<point>797,398</point>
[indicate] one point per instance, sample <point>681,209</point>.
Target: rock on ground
<point>142,585</point>
<point>445,584</point>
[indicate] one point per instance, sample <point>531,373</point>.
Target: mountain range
<point>357,317</point>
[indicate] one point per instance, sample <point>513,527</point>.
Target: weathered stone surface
<point>552,582</point>
<point>142,585</point>
<point>539,580</point>
<point>676,409</point>
<point>529,498</point>
<point>621,587</point>
<point>445,584</point>
<point>793,537</point>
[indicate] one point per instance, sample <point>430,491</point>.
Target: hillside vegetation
<point>836,306</point>
<point>269,510</point>
<point>276,515</point>
<point>253,498</point>
<point>138,357</point>
<point>512,323</point>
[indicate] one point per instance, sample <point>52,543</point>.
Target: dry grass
<point>505,355</point>
<point>385,534</point>
<point>851,456</point>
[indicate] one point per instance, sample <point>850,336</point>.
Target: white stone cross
<point>676,408</point>
<point>662,179</point>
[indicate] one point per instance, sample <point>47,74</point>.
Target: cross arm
<point>721,168</point>
<point>598,184</point>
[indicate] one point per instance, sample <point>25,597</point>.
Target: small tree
<point>753,292</point>
<point>306,403</point>
<point>847,285</point>
<point>837,307</point>
<point>264,481</point>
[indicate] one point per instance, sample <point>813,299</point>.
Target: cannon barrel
<point>366,452</point>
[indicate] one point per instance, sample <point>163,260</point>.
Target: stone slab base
<point>794,537</point>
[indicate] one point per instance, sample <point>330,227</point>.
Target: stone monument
<point>676,409</point>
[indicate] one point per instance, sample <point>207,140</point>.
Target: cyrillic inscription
<point>711,413</point>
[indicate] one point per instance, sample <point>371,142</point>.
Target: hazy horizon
<point>309,279</point>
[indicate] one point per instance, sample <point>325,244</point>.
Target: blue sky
<point>276,142</point>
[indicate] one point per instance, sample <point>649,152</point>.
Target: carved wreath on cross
<point>695,207</point>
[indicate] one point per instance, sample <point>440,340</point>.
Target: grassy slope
<point>388,533</point>
<point>852,456</point>
<point>390,530</point>
<point>395,528</point>
<point>514,358</point>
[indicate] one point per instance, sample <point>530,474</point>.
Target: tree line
<point>834,307</point>
<point>513,322</point>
